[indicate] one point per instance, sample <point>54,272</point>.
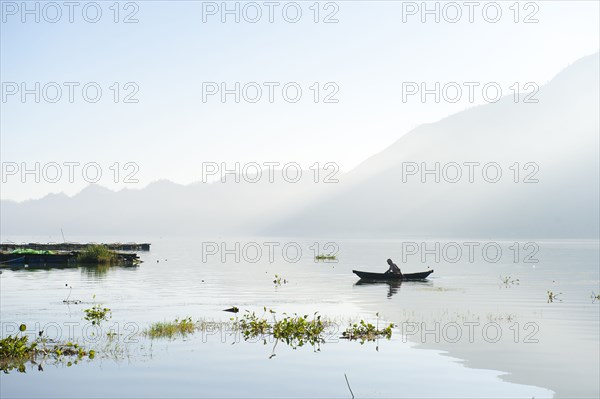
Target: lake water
<point>463,333</point>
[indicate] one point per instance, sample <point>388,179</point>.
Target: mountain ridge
<point>559,134</point>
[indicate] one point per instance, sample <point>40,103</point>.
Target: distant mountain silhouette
<point>162,207</point>
<point>560,134</point>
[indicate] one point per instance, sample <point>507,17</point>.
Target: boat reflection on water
<point>394,285</point>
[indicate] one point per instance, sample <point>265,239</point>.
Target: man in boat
<point>393,268</point>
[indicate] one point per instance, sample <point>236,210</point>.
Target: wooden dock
<point>60,258</point>
<point>68,246</point>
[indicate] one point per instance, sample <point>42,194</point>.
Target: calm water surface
<point>464,333</point>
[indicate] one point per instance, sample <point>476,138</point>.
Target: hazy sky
<point>170,52</point>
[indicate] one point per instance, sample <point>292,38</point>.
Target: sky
<point>165,59</point>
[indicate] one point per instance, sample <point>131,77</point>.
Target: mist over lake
<point>300,199</point>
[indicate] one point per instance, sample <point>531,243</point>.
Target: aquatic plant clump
<point>364,331</point>
<point>181,327</point>
<point>325,257</point>
<point>508,280</point>
<point>253,326</point>
<point>553,296</point>
<point>96,314</point>
<point>16,347</point>
<point>294,330</point>
<point>97,254</point>
<point>279,280</point>
<point>16,351</point>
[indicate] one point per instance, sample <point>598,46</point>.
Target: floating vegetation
<point>508,281</point>
<point>294,330</point>
<point>171,329</point>
<point>70,301</point>
<point>552,296</point>
<point>253,326</point>
<point>508,317</point>
<point>16,351</point>
<point>364,331</point>
<point>97,254</point>
<point>16,347</point>
<point>97,314</point>
<point>325,257</point>
<point>279,280</point>
<point>298,330</point>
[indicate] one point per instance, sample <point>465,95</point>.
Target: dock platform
<point>68,246</point>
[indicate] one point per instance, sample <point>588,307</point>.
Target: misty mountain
<point>555,143</point>
<point>162,207</point>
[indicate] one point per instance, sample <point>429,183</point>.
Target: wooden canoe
<point>391,276</point>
